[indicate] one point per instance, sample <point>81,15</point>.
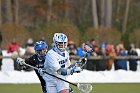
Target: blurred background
<point>112,21</point>
<point>110,27</point>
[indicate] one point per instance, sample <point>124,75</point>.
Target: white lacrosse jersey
<point>55,61</point>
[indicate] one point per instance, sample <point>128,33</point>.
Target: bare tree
<point>8,11</point>
<point>117,8</point>
<point>125,17</point>
<point>16,10</point>
<point>102,12</point>
<point>94,13</point>
<point>0,14</point>
<point>108,15</point>
<point>87,4</point>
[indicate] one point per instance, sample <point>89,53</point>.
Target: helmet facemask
<point>41,53</point>
<point>60,40</point>
<point>61,45</point>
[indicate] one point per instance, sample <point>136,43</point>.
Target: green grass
<point>20,88</point>
<point>97,88</point>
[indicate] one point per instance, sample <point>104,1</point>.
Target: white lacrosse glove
<point>41,71</point>
<point>75,69</point>
<point>81,62</point>
<point>20,61</point>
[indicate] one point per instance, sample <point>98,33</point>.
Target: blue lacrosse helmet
<point>41,49</point>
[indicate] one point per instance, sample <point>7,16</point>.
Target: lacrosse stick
<point>83,88</point>
<point>87,49</point>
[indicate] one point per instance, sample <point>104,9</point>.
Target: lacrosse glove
<point>82,61</point>
<point>41,71</point>
<point>20,61</point>
<point>75,69</point>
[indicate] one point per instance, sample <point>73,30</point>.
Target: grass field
<point>97,88</point>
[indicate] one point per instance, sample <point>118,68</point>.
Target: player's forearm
<point>63,71</point>
<point>70,70</point>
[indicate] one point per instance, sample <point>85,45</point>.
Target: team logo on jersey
<point>62,62</point>
<point>40,66</point>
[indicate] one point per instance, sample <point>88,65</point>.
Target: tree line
<point>122,15</point>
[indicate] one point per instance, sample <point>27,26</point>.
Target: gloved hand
<point>20,61</point>
<point>82,61</point>
<point>41,71</point>
<point>75,69</point>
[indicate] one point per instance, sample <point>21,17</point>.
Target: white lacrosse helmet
<point>60,41</point>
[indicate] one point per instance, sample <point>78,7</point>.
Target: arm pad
<point>64,72</point>
<point>69,71</point>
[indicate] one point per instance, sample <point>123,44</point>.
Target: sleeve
<point>52,62</point>
<point>30,60</point>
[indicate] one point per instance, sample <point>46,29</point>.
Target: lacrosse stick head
<point>87,48</point>
<point>84,88</point>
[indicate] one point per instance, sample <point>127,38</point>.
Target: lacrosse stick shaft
<point>51,74</point>
<point>82,89</point>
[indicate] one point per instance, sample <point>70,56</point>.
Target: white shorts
<point>56,86</point>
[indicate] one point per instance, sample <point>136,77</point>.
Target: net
<point>84,88</point>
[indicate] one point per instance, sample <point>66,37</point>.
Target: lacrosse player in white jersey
<point>57,63</point>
